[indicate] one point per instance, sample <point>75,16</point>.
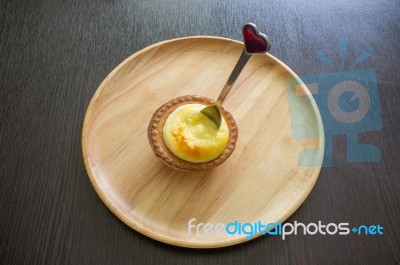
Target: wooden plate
<point>262,180</point>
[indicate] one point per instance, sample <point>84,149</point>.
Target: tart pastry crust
<point>155,135</point>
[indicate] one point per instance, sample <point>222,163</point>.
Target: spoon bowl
<point>213,113</point>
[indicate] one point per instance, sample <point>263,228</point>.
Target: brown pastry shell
<point>155,135</point>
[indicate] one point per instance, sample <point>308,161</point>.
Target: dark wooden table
<point>54,54</point>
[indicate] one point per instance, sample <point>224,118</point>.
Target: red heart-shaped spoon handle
<point>254,41</point>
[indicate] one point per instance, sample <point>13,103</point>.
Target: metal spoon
<point>254,43</point>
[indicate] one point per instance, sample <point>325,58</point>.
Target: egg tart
<point>186,140</point>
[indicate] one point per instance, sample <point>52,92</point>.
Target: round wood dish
<point>263,180</point>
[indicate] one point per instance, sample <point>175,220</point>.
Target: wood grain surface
<point>55,54</point>
<point>262,180</point>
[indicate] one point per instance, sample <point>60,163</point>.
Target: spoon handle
<point>244,57</point>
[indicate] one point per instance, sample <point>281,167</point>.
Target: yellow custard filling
<point>193,137</point>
